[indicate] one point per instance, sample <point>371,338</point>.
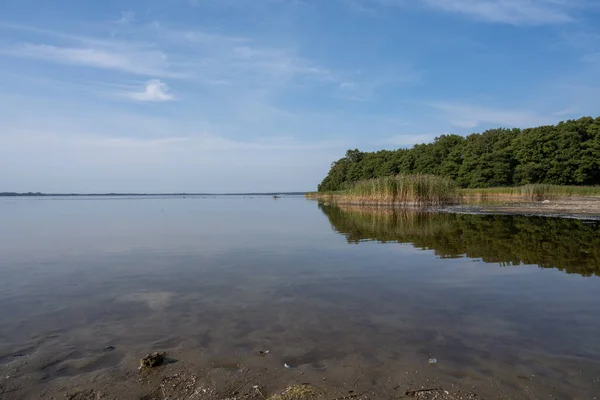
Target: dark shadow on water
<point>569,245</point>
<point>169,360</point>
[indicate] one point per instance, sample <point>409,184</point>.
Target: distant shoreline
<point>38,194</point>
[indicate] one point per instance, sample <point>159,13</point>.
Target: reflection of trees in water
<point>567,244</point>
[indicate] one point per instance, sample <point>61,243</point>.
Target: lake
<point>359,301</point>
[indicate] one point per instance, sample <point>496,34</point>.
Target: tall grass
<point>400,189</point>
<point>433,190</point>
<point>538,191</point>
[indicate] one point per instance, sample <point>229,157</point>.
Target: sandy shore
<point>193,375</point>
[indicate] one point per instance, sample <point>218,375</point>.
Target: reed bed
<point>538,191</point>
<point>430,190</point>
<point>401,189</point>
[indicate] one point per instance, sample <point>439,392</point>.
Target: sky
<point>262,95</point>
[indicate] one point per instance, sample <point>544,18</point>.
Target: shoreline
<point>579,207</point>
<point>192,374</point>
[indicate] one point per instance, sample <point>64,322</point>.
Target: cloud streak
<point>155,91</point>
<point>134,61</point>
<point>515,12</point>
<point>470,116</point>
<point>192,55</point>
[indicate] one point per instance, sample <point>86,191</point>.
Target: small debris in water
<point>264,352</point>
<point>286,365</point>
<point>152,360</point>
<point>108,348</point>
<point>299,392</point>
<point>432,361</point>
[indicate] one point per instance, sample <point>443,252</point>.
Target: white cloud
<point>194,55</point>
<point>139,62</point>
<point>155,90</point>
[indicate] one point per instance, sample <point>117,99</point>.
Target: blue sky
<point>262,95</point>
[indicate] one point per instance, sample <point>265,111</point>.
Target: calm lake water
<point>509,306</point>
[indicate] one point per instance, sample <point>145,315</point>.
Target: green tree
<point>565,154</point>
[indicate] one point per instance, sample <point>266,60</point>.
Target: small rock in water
<point>432,361</point>
<point>108,348</point>
<point>152,360</point>
<point>546,202</point>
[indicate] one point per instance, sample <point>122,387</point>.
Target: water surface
<point>509,306</point>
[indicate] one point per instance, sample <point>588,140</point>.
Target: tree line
<point>564,154</point>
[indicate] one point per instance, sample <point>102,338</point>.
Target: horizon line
<point>41,194</point>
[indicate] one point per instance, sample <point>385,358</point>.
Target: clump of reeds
<point>401,189</point>
<point>535,191</point>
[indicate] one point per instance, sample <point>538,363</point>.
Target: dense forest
<point>564,154</point>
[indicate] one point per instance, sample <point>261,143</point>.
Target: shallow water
<point>509,306</point>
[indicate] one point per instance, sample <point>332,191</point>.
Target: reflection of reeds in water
<point>566,244</point>
<point>389,224</point>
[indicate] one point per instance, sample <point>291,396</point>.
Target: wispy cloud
<point>137,62</point>
<point>167,52</point>
<point>514,12</point>
<point>244,61</point>
<point>517,12</point>
<point>467,124</point>
<point>127,17</point>
<point>591,58</point>
<point>470,116</point>
<point>155,90</point>
<point>407,140</point>
<point>277,65</point>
